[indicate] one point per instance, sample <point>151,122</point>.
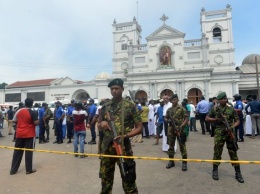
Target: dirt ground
<point>63,173</point>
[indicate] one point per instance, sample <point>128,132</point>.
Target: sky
<point>42,39</point>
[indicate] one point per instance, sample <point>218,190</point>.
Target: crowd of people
<point>133,120</point>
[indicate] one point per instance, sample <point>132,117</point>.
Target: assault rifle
<point>116,143</point>
<point>229,132</point>
<point>178,133</point>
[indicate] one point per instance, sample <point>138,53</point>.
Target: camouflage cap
<point>116,81</point>
<point>221,95</point>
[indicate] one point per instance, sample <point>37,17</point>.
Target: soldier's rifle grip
<point>178,134</point>
<point>229,132</point>
<point>116,144</point>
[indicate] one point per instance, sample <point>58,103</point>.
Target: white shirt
<point>192,109</point>
<point>165,107</point>
<point>98,108</point>
<point>151,111</point>
<point>156,107</point>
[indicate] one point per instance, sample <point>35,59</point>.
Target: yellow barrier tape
<point>136,157</point>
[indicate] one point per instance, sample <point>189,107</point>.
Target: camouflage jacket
<point>131,116</point>
<point>178,113</point>
<point>228,112</point>
<point>47,112</point>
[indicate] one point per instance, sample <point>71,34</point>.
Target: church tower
<point>216,26</point>
<point>124,34</point>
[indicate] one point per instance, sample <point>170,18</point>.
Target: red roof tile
<point>31,83</point>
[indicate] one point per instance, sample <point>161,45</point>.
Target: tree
<point>2,85</point>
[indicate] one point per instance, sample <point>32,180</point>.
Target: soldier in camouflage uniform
<point>46,119</point>
<point>131,120</point>
<point>221,135</point>
<point>180,117</point>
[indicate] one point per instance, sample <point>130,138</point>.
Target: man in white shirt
<point>151,125</point>
<point>167,104</point>
<point>192,117</point>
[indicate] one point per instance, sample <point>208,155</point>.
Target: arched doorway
<point>141,95</point>
<point>81,95</point>
<point>194,95</point>
<point>167,92</point>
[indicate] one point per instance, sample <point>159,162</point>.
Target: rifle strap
<point>123,123</point>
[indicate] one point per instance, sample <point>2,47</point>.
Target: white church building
<point>167,63</point>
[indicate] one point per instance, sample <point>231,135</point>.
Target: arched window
<point>167,92</point>
<point>141,95</point>
<point>217,34</point>
<point>124,41</point>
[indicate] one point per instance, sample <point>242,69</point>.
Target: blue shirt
<point>59,112</point>
<point>41,112</point>
<point>254,106</point>
<point>10,114</point>
<point>202,107</point>
<point>92,110</point>
<point>238,105</point>
<point>160,114</point>
<point>211,105</point>
<point>70,109</point>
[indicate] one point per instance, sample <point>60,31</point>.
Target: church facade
<point>166,64</point>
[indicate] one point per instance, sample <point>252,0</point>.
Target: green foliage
<point>2,85</point>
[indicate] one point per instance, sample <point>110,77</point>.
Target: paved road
<point>59,173</point>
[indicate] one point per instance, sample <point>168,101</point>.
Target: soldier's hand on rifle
<point>104,125</point>
<point>230,129</point>
<point>118,138</point>
<point>219,120</point>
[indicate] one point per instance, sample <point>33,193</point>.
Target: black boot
<point>215,172</point>
<point>41,139</point>
<point>93,141</point>
<point>238,174</point>
<point>45,140</point>
<point>170,163</point>
<point>69,140</point>
<point>184,166</point>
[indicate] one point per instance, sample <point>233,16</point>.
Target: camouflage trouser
<point>107,170</point>
<point>219,140</point>
<point>171,138</point>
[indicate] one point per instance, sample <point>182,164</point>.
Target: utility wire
<point>53,66</point>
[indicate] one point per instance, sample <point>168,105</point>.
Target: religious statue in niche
<point>165,55</point>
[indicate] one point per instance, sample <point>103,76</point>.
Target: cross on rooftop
<point>164,18</point>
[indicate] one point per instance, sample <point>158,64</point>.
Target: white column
<point>96,92</point>
<point>182,89</point>
<point>156,90</point>
<point>234,88</point>
<point>206,89</point>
